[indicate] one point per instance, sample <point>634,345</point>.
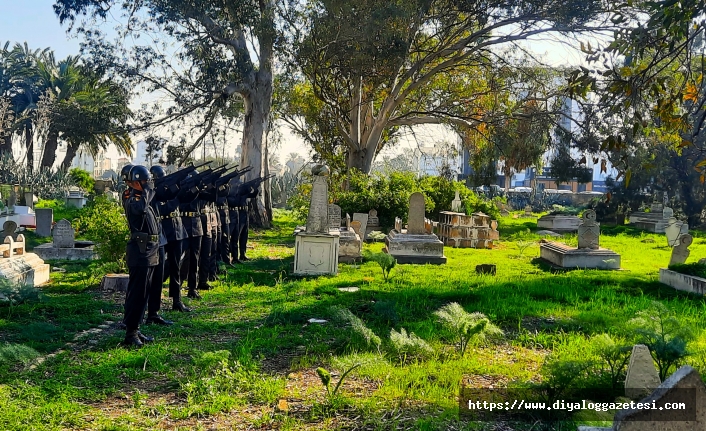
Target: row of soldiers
<point>181,226</point>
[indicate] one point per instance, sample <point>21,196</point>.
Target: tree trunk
<point>70,154</point>
<point>361,159</point>
<point>50,147</point>
<point>258,104</point>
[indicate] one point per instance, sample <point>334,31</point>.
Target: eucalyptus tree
<point>209,59</point>
<point>380,65</point>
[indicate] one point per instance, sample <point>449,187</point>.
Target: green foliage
<point>61,211</point>
<point>616,356</point>
<point>409,346</point>
<point>103,222</point>
<point>11,354</point>
<point>466,327</point>
<point>45,183</point>
<point>385,260</point>
<point>362,335</point>
<point>666,336</point>
<point>696,269</point>
<point>15,294</point>
<point>82,179</point>
<point>325,378</point>
<point>565,210</point>
<point>562,377</point>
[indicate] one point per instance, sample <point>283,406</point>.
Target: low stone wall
<point>686,283</point>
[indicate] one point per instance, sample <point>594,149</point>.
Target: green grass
<point>248,343</point>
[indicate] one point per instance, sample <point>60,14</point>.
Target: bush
<point>362,335</point>
<point>384,260</point>
<point>466,327</point>
<point>409,346</point>
<point>61,211</point>
<point>103,222</point>
<point>83,179</point>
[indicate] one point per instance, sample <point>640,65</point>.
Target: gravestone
<point>589,231</point>
<point>64,234</point>
<point>8,229</point>
<point>29,199</point>
<point>684,386</point>
<point>680,252</point>
<point>528,211</point>
<point>373,219</point>
<point>363,219</point>
<point>317,221</point>
<point>673,230</point>
<point>504,213</point>
<point>642,377</point>
<point>667,213</point>
<point>356,226</point>
<point>456,203</point>
<point>348,221</point>
<point>334,216</point>
<point>44,217</point>
<point>415,221</point>
<point>398,224</point>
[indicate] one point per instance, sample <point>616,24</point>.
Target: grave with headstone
<point>19,266</point>
<point>414,245</point>
<point>316,247</point>
<point>674,230</point>
<point>363,219</point>
<point>44,219</point>
<point>75,198</point>
<point>9,228</point>
<point>588,255</point>
<point>64,244</point>
<point>683,387</point>
<point>559,223</point>
<point>656,220</point>
<point>680,251</point>
<point>467,231</point>
<point>528,212</point>
<point>373,223</point>
<point>349,243</point>
<point>677,280</point>
<point>30,199</point>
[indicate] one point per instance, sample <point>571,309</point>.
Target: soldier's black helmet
<point>125,172</point>
<point>157,172</point>
<point>139,173</point>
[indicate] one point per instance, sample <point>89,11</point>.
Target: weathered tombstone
<point>672,231</point>
<point>356,226</point>
<point>456,203</point>
<point>504,213</point>
<point>29,199</point>
<point>317,221</point>
<point>12,200</point>
<point>642,377</point>
<point>398,224</point>
<point>334,216</point>
<point>680,252</point>
<point>373,219</point>
<point>115,282</point>
<point>528,211</point>
<point>63,234</point>
<point>363,219</point>
<point>415,221</point>
<point>683,387</point>
<point>667,213</point>
<point>589,231</point>
<point>44,217</point>
<point>487,268</point>
<point>348,221</point>
<point>8,229</point>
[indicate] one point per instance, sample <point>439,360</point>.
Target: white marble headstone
<point>456,203</point>
<point>589,231</point>
<point>680,252</point>
<point>672,231</point>
<point>415,221</point>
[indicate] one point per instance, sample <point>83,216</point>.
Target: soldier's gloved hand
<point>148,185</point>
<point>187,183</point>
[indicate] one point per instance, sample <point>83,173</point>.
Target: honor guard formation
<point>181,226</point>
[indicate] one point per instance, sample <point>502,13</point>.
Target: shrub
<point>384,260</point>
<point>466,327</point>
<point>695,269</point>
<point>614,355</point>
<point>11,354</point>
<point>667,338</point>
<point>103,222</point>
<point>15,294</point>
<point>83,179</point>
<point>61,211</point>
<point>409,346</point>
<point>361,334</point>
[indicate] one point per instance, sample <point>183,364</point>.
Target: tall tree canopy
<point>223,49</point>
<point>381,65</point>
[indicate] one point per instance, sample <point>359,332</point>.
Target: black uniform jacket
<point>142,218</point>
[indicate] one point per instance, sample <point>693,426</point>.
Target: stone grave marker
<point>373,219</point>
<point>680,252</point>
<point>684,386</point>
<point>589,231</point>
<point>673,230</point>
<point>348,221</point>
<point>415,221</point>
<point>64,234</point>
<point>528,211</point>
<point>504,213</point>
<point>667,213</point>
<point>12,200</point>
<point>642,377</point>
<point>363,219</point>
<point>8,229</point>
<point>398,224</point>
<point>356,226</point>
<point>317,221</point>
<point>456,203</point>
<point>334,216</point>
<point>44,217</point>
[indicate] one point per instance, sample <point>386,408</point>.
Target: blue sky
<point>34,22</point>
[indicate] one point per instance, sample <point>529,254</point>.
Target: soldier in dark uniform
<point>173,229</point>
<point>154,303</point>
<point>240,239</point>
<point>234,218</point>
<point>191,218</point>
<point>213,260</point>
<point>225,224</point>
<point>142,252</point>
<point>207,221</point>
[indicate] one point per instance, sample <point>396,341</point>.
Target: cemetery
<point>360,216</point>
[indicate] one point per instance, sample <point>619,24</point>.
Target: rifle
<point>254,183</point>
<point>225,179</point>
<point>209,176</point>
<point>178,176</point>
